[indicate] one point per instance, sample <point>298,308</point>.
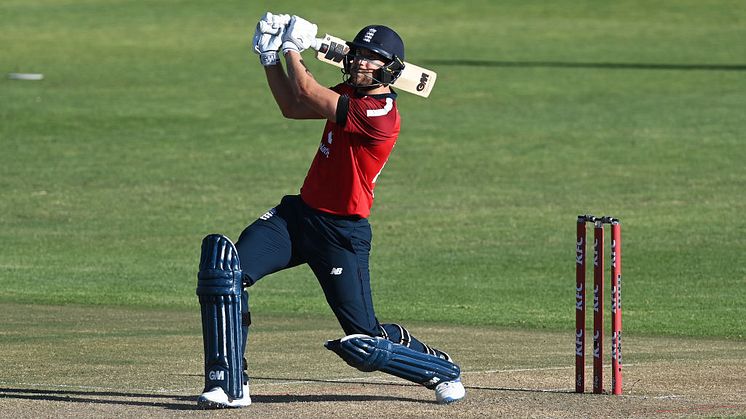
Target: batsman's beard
<point>362,79</point>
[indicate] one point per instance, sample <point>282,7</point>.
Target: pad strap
<point>369,353</point>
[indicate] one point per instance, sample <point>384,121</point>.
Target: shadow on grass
<point>170,401</point>
<point>178,402</point>
<point>181,402</point>
<point>611,66</point>
<point>402,384</point>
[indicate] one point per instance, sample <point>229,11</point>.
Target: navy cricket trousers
<point>336,248</point>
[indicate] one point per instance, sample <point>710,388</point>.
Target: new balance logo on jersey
<point>267,215</point>
<point>336,271</point>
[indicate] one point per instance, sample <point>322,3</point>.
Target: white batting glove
<point>267,46</point>
<point>299,35</point>
<point>269,49</point>
<point>271,23</point>
<point>268,37</point>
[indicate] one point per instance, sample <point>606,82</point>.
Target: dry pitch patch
<point>102,362</point>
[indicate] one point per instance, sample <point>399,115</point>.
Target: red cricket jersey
<point>351,154</point>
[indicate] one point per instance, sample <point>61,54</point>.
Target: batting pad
<point>219,290</point>
<point>368,353</point>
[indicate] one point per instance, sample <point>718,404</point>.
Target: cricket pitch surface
<point>107,362</point>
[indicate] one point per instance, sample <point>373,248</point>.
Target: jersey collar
<point>391,95</point>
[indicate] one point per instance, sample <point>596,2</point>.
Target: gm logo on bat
<point>424,78</point>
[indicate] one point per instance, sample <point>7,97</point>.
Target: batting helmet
<point>383,41</point>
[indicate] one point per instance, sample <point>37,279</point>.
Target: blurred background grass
<point>154,127</point>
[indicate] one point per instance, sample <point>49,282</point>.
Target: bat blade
<point>413,79</point>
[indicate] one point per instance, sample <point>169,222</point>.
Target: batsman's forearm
<point>301,80</point>
<point>287,99</point>
<point>321,101</point>
<point>279,84</point>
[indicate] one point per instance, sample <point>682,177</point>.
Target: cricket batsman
<point>325,226</point>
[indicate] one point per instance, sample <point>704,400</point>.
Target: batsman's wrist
<point>289,46</point>
<point>269,58</point>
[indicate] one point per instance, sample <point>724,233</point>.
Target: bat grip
<point>318,43</point>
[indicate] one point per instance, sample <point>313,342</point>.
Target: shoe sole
<point>204,404</point>
<point>450,401</point>
<point>209,404</point>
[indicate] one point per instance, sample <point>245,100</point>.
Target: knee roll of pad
<point>368,353</point>
<point>219,291</point>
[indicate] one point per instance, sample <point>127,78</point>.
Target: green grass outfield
<point>153,127</point>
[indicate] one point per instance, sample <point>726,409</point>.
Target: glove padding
<point>271,23</point>
<point>267,47</point>
<point>299,35</point>
<point>268,37</point>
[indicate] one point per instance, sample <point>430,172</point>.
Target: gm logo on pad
<point>216,375</point>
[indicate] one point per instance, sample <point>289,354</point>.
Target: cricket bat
<point>413,79</point>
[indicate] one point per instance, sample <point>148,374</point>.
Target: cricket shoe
<point>217,399</point>
<point>449,391</point>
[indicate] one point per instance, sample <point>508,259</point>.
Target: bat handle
<point>318,43</point>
